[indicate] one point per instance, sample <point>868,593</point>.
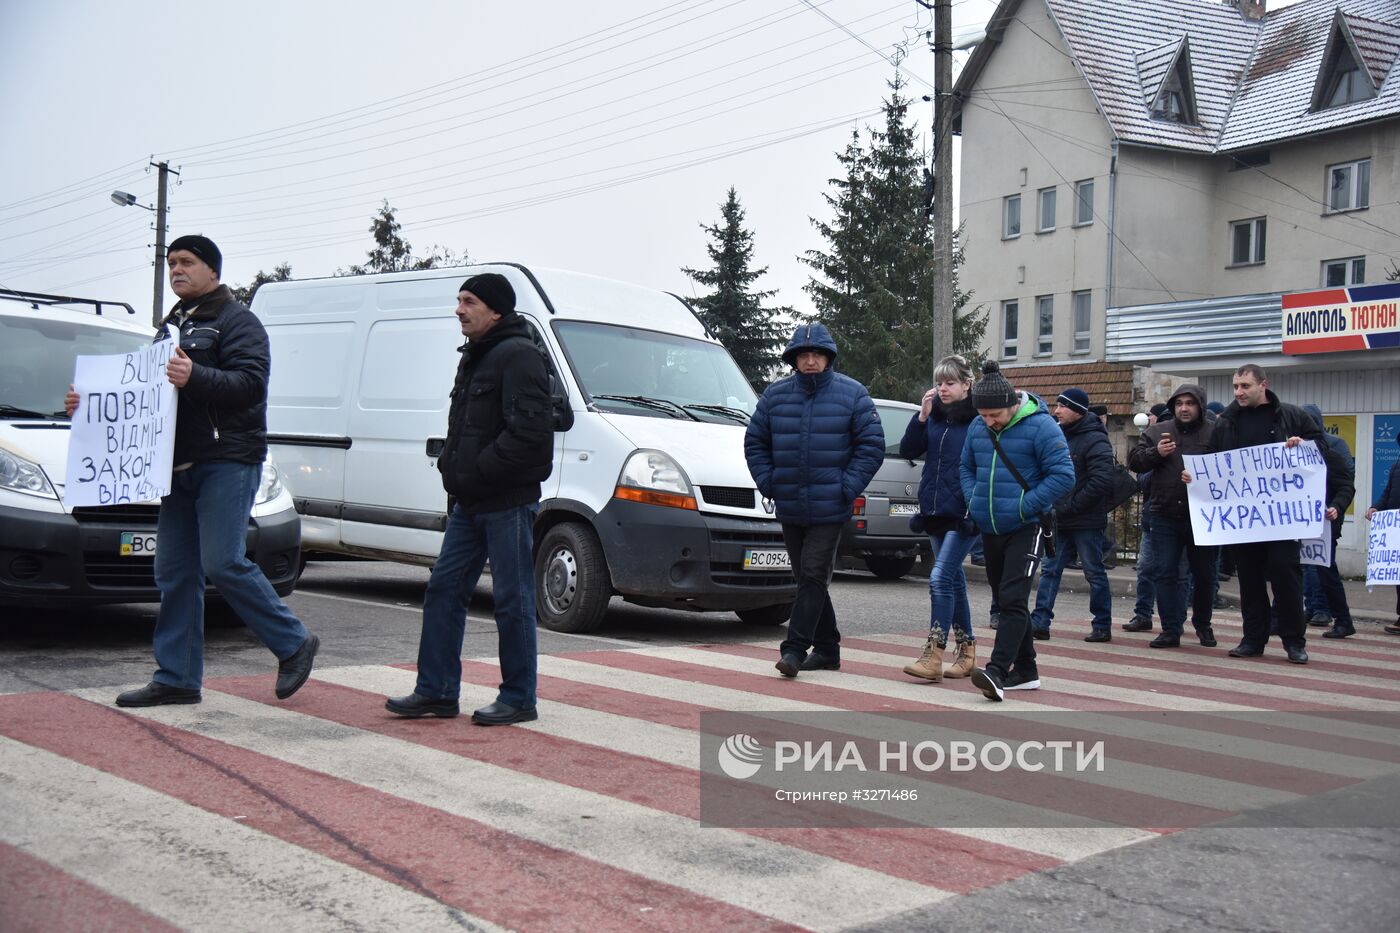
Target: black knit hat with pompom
<point>993,390</point>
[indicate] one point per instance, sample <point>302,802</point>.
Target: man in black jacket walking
<point>220,370</point>
<point>1258,417</point>
<point>1080,517</point>
<point>500,446</point>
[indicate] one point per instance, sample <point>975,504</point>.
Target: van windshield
<point>36,360</point>
<point>643,372</point>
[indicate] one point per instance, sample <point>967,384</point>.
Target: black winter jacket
<point>1090,450</point>
<point>1166,491</point>
<point>939,440</point>
<point>500,434</point>
<point>222,412</point>
<point>1289,421</point>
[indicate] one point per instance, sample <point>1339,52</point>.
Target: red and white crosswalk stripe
<point>331,813</point>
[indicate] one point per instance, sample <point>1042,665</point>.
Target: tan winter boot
<point>965,661</point>
<point>930,663</point>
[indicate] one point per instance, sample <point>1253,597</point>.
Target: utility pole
<point>158,304</point>
<point>942,179</point>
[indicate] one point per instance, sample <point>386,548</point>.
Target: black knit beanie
<point>201,246</point>
<point>993,390</point>
<point>494,291</point>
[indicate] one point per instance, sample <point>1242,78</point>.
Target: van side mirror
<point>435,446</point>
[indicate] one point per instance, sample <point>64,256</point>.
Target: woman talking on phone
<point>936,432</point>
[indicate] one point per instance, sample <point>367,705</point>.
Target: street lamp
<point>123,199</point>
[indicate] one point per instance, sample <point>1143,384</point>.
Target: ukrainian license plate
<point>767,559</point>
<point>904,508</point>
<point>137,544</point>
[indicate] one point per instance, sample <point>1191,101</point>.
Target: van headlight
<point>652,477</point>
<point>271,486</point>
<point>21,475</point>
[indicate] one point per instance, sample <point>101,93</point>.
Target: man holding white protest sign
<point>220,370</point>
<point>1381,546</point>
<point>1262,490</point>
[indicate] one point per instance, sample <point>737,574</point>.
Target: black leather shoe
<point>1099,636</point>
<point>415,706</point>
<point>1207,637</point>
<point>1320,620</point>
<point>788,665</point>
<point>154,694</point>
<point>503,714</point>
<point>1245,651</point>
<point>816,661</point>
<point>1340,631</point>
<point>1040,634</point>
<point>1165,641</point>
<point>990,683</point>
<point>292,673</point>
<point>1137,624</point>
<point>1297,654</point>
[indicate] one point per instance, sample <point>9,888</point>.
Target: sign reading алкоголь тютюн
<point>1364,317</point>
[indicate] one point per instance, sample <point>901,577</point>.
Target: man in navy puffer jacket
<point>813,445</point>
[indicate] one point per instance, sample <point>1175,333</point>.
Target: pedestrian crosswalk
<point>326,811</point>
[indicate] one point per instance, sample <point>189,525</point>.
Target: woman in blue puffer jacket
<point>936,432</point>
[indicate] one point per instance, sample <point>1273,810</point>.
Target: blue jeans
<point>507,538</point>
<point>1171,538</point>
<point>1146,590</point>
<point>202,533</point>
<point>947,586</point>
<point>1088,543</point>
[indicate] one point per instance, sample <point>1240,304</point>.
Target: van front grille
<point>734,497</point>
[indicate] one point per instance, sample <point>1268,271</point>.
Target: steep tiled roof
<point>1253,81</point>
<point>1108,384</point>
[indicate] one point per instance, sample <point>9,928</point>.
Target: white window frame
<point>1358,193</point>
<point>1258,241</point>
<point>1010,314</point>
<point>1006,205</point>
<point>1040,225</point>
<point>1082,302</point>
<point>1044,337</point>
<point>1083,207</point>
<point>1353,271</point>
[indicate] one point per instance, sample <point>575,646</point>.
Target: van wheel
<point>572,587</point>
<point>765,615</point>
<point>890,568</point>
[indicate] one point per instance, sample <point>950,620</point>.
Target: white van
<point>650,497</point>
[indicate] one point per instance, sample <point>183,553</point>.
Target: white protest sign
<point>1316,551</point>
<point>1265,493</point>
<point>1383,549</point>
<point>123,437</point>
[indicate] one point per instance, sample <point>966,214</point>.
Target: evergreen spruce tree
<point>874,282</point>
<point>733,311</point>
<point>393,253</point>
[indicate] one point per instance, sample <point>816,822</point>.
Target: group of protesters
<point>1033,482</point>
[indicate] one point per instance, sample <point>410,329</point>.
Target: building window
<point>1173,103</point>
<point>1084,202</point>
<point>1083,304</point>
<point>1339,273</point>
<point>1046,200</point>
<point>1045,325</point>
<point>1011,217</point>
<point>1247,242</point>
<point>1010,326</point>
<point>1347,83</point>
<point>1254,158</point>
<point>1349,186</point>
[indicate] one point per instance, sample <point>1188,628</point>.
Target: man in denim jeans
<point>500,446</point>
<point>220,370</point>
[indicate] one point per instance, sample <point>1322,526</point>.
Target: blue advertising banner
<point>1384,451</point>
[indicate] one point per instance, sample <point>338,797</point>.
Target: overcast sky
<point>593,137</point>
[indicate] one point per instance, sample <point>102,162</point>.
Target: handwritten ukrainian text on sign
<point>1265,493</point>
<point>1366,317</point>
<point>1383,549</point>
<point>1316,551</point>
<point>123,437</point>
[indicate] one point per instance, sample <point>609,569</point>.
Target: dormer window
<point>1171,102</point>
<point>1345,77</point>
<point>1348,83</point>
<point>1174,100</point>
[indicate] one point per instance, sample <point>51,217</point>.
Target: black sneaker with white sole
<point>990,683</point>
<point>1022,680</point>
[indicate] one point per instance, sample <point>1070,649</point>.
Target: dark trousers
<point>1170,538</point>
<point>1331,580</point>
<point>1011,590</point>
<point>812,549</point>
<point>1262,565</point>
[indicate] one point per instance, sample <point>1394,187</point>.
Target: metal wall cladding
<point>1350,391</point>
<point>1236,326</point>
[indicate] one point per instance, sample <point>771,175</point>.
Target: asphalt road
<point>1230,878</point>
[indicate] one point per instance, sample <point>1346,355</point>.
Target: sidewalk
<point>1375,606</point>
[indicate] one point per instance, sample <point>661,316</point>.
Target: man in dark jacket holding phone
<point>500,447</point>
